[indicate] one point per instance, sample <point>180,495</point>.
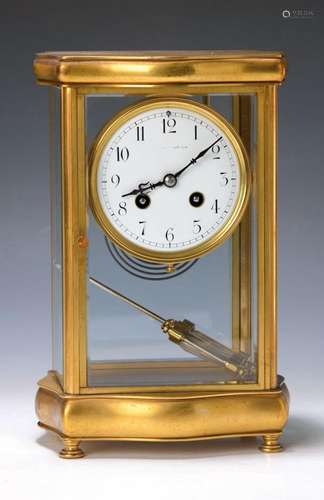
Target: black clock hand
<point>194,160</point>
<point>146,186</point>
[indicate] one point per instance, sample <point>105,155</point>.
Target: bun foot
<point>71,449</point>
<point>271,444</point>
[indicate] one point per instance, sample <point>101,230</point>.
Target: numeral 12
<point>168,125</point>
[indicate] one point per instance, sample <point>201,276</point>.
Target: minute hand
<point>199,155</point>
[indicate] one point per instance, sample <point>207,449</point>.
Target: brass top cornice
<point>155,67</point>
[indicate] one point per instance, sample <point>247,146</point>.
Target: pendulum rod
<point>126,299</point>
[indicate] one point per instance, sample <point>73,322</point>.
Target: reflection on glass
<point>125,347</point>
<point>56,229</point>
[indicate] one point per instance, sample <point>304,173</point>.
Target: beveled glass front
<point>125,347</point>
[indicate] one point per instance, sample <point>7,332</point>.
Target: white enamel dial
<point>157,187</point>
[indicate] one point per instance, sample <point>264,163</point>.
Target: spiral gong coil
<point>146,270</point>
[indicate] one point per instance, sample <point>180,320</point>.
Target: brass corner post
<point>73,227</point>
<point>266,173</point>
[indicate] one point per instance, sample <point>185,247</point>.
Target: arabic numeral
<point>216,151</point>
<point>122,153</point>
<point>196,227</point>
<point>224,179</point>
<point>122,208</point>
<point>215,207</point>
<point>140,134</point>
<point>115,180</point>
<point>142,224</point>
<point>169,236</point>
<point>168,125</point>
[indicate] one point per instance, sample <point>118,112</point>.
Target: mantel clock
<point>163,231</point>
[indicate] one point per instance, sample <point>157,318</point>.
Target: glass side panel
<point>128,348</point>
<point>254,260</point>
<point>56,229</point>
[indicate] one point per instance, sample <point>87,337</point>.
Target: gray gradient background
<point>28,27</point>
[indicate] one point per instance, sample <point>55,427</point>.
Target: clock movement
<point>163,231</point>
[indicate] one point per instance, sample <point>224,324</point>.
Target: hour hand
<point>145,186</point>
<point>135,191</point>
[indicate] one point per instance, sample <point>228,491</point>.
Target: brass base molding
<point>160,416</point>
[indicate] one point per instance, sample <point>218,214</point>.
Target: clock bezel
<point>206,246</point>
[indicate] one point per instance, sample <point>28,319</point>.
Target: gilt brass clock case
<point>115,375</point>
<point>206,245</point>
